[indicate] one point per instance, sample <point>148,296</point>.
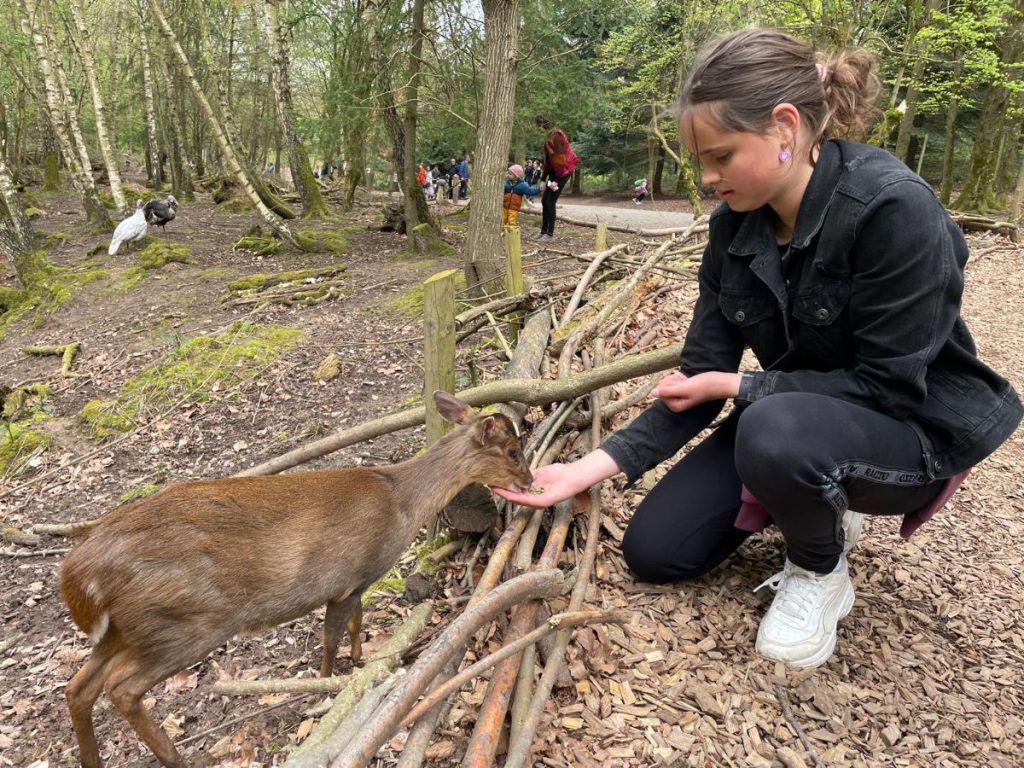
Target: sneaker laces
<point>797,591</point>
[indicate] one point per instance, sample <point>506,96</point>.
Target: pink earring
<point>784,156</point>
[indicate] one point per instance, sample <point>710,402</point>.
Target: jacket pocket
<point>822,304</point>
<point>745,310</point>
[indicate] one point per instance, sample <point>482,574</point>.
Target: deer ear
<point>485,429</point>
<point>452,409</point>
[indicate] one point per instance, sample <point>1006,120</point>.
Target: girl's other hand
<point>680,392</point>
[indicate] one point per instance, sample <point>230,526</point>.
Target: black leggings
<point>547,202</point>
<point>807,458</point>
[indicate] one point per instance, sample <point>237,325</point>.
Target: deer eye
<point>513,453</point>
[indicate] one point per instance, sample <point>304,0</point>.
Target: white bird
<point>130,230</point>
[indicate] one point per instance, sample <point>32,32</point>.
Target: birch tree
<point>154,168</point>
<point>272,220</point>
<point>58,114</point>
<point>298,159</point>
<point>102,135</point>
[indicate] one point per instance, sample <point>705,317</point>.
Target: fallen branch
<point>584,281</point>
<point>69,530</point>
<point>66,351</point>
<point>527,391</point>
<point>974,222</point>
<point>556,622</point>
<point>382,725</point>
<point>491,713</point>
<point>321,754</point>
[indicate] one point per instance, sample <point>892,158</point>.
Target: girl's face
<point>744,168</point>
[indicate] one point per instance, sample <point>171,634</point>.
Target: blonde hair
<point>740,78</point>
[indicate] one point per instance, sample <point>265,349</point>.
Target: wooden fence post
<point>438,346</point>
<point>513,272</point>
<point>601,241</point>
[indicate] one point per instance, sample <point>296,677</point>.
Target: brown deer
<point>160,583</point>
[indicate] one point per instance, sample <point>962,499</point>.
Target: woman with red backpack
<point>559,163</point>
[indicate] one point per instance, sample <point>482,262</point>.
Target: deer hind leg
<point>81,694</point>
<point>129,679</point>
<point>347,610</point>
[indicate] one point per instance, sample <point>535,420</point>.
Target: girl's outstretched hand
<point>556,482</point>
<point>679,391</point>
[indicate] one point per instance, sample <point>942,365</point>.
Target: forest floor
<point>928,667</point>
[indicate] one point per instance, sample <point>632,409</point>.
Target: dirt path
<point>626,215</point>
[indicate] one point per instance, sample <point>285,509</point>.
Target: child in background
<point>639,190</point>
<point>516,188</point>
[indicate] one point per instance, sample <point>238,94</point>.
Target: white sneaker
<point>853,524</point>
<point>800,626</point>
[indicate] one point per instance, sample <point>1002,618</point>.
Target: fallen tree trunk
<point>530,392</point>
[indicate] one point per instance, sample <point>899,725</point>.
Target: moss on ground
<point>410,303</point>
<point>57,238</point>
<point>322,240</point>
<point>22,402</point>
<point>260,282</point>
<point>261,245</point>
<point>49,288</point>
<point>157,254</point>
<point>236,205</point>
<point>393,582</point>
<point>139,493</point>
<point>20,439</point>
<point>190,374</point>
<point>32,212</point>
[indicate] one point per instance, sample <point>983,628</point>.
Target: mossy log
<point>66,351</point>
<point>260,282</point>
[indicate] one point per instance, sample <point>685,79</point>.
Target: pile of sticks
<point>576,323</point>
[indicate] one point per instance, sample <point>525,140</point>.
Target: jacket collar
<point>757,232</point>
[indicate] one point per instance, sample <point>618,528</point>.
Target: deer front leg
<point>339,612</point>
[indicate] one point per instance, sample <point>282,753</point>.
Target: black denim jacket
<point>866,309</point>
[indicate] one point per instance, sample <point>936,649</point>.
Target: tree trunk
<point>81,177</point>
<point>913,93</point>
<point>484,260</point>
<point>377,21</point>
<point>154,166</point>
<point>272,220</point>
<point>181,177</point>
<point>15,229</point>
<point>1006,175</point>
<point>946,187</point>
<point>977,194</point>
<point>302,176</point>
<point>659,171</point>
<point>415,201</point>
<point>102,135</point>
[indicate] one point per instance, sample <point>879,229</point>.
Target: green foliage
<point>24,410</point>
<point>24,402</point>
<point>191,373</point>
<point>410,303</point>
<point>139,493</point>
<point>20,443</point>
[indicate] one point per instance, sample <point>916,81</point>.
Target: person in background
<point>440,182</point>
<point>516,189</point>
<point>454,180</point>
<point>464,176</point>
<point>639,190</point>
<point>421,175</point>
<point>428,183</point>
<point>556,172</point>
<point>843,273</point>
